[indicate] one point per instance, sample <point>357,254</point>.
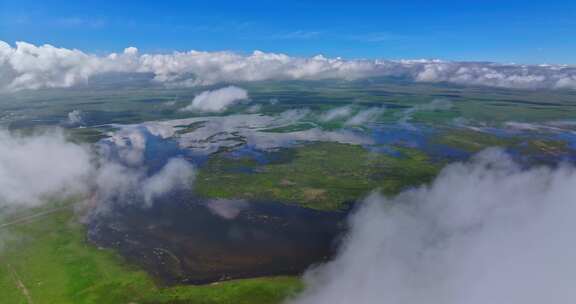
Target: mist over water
<point>486,231</point>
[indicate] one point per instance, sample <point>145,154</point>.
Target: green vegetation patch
<point>322,175</point>
<point>47,260</point>
<point>472,141</point>
<point>545,146</point>
<point>85,135</point>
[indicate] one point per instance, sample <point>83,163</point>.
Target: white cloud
<point>27,66</point>
<point>128,143</point>
<point>487,231</point>
<point>122,175</point>
<point>226,208</point>
<point>76,22</point>
<point>365,116</point>
<point>438,104</point>
<point>217,100</point>
<point>296,35</point>
<point>336,113</point>
<point>176,174</point>
<point>38,167</point>
<point>217,132</point>
<point>75,118</point>
<point>116,183</point>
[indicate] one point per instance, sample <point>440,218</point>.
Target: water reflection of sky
<point>568,137</point>
<point>416,137</point>
<point>250,151</point>
<point>241,136</point>
<point>532,132</point>
<point>152,151</point>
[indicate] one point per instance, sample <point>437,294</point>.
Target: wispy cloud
<point>296,35</point>
<point>215,27</point>
<point>217,100</point>
<point>83,22</point>
<point>376,37</point>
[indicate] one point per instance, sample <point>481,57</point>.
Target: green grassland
<point>322,175</point>
<point>47,260</point>
<point>489,105</point>
<point>473,141</point>
<point>110,103</point>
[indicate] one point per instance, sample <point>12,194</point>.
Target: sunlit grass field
<point>47,260</point>
<point>322,176</point>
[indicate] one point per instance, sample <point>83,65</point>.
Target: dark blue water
<point>179,240</point>
<point>418,137</point>
<point>251,152</point>
<point>157,152</point>
<point>568,137</point>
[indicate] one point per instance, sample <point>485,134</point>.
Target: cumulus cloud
<point>123,176</point>
<point>27,66</point>
<point>118,184</point>
<point>128,144</point>
<point>353,117</point>
<point>39,168</point>
<point>487,231</point>
<point>217,100</point>
<point>42,168</point>
<point>35,168</point>
<point>75,118</point>
<point>177,173</point>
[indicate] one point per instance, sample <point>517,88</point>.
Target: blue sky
<point>487,30</point>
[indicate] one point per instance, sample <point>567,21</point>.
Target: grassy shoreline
<point>47,260</point>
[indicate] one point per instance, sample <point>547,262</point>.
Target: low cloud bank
<point>37,168</point>
<point>27,66</point>
<point>33,169</point>
<point>486,231</point>
<point>217,100</point>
